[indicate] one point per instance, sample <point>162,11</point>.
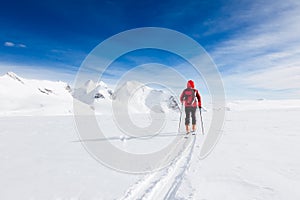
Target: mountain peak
<point>14,76</point>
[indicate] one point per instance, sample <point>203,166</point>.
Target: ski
<point>187,135</point>
<point>190,133</point>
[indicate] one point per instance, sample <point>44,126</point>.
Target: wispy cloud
<point>12,44</point>
<point>9,44</point>
<point>279,78</point>
<point>265,55</point>
<point>22,45</point>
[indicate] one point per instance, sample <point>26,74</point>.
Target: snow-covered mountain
<point>135,95</point>
<point>91,91</point>
<point>19,96</point>
<point>142,98</point>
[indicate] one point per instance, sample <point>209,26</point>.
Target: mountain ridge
<point>19,96</point>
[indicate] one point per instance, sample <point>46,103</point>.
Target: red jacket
<point>190,97</point>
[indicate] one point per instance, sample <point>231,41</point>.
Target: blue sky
<point>253,43</point>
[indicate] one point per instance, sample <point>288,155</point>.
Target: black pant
<point>188,112</point>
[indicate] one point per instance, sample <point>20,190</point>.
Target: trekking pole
<point>201,122</point>
<point>180,117</point>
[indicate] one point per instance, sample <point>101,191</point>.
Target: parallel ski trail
<point>163,184</point>
<point>180,175</point>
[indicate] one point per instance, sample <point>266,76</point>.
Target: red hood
<point>190,84</point>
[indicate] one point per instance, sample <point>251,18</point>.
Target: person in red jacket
<point>191,99</point>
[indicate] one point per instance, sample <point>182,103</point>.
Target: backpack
<point>189,96</point>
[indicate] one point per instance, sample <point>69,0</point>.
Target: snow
<point>20,96</point>
<point>257,158</point>
<point>42,157</point>
<point>263,104</point>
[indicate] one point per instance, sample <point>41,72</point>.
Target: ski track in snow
<point>163,184</point>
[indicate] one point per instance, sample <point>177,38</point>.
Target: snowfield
<point>33,97</point>
<point>42,157</point>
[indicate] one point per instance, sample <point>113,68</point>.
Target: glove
<point>199,107</point>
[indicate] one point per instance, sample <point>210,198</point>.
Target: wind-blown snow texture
<point>42,158</point>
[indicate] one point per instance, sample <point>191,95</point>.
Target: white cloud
<point>12,44</point>
<point>9,44</point>
<point>22,45</point>
<point>279,78</point>
<point>265,56</point>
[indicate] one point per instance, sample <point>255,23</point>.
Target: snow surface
<point>25,97</point>
<point>42,157</point>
